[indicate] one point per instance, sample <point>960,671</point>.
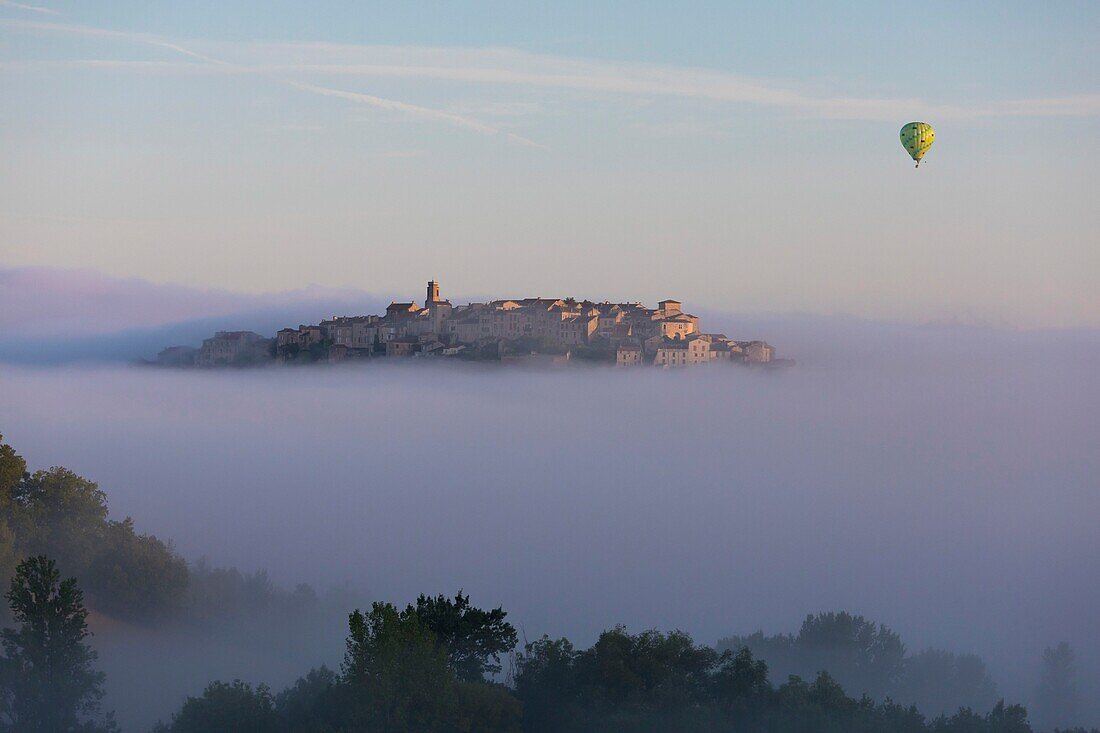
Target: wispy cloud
<point>516,68</point>
<point>301,128</point>
<point>140,67</point>
<point>512,67</point>
<point>32,8</point>
<point>417,111</point>
<point>412,110</point>
<point>84,30</point>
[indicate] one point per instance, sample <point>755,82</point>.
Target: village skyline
<point>550,330</point>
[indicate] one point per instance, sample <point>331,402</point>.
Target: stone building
<point>233,347</point>
<point>698,348</point>
<point>402,346</point>
<point>628,355</point>
<point>759,352</point>
<point>671,353</point>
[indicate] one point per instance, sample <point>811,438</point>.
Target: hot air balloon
<point>917,137</point>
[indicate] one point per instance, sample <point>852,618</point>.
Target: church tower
<point>433,293</point>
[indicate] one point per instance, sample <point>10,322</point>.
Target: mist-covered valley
<point>940,480</point>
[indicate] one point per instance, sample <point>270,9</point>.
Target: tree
<point>742,680</point>
<point>59,513</point>
<point>1008,718</point>
<point>937,681</point>
<point>13,470</point>
<point>649,681</point>
<point>47,680</point>
<point>298,704</point>
<point>668,670</point>
<point>9,559</point>
<point>227,706</point>
<point>547,683</point>
<point>396,677</point>
<point>474,639</point>
<point>485,708</point>
<point>1001,719</point>
<point>1056,697</point>
<point>870,659</point>
<point>136,576</point>
<point>862,656</point>
<point>63,515</point>
<point>398,673</point>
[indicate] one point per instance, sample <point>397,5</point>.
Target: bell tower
<point>433,293</point>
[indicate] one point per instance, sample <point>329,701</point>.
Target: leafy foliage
<point>393,657</point>
<point>1057,698</point>
<point>135,575</point>
<point>937,681</point>
<point>871,659</point>
<point>1001,719</point>
<point>396,677</point>
<point>473,639</point>
<point>55,512</point>
<point>13,470</point>
<point>9,558</point>
<point>59,513</point>
<point>227,706</point>
<point>399,676</point>
<point>126,574</point>
<point>863,656</point>
<point>47,679</point>
<point>298,704</point>
<point>654,682</point>
<point>222,593</point>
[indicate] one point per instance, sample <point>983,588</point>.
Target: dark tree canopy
<point>227,706</point>
<point>298,704</point>
<point>474,639</point>
<point>9,558</point>
<point>135,575</point>
<point>13,470</point>
<point>1057,698</point>
<point>653,681</point>
<point>397,677</point>
<point>48,683</point>
<point>869,658</point>
<point>937,681</point>
<point>57,513</point>
<point>393,659</point>
<point>1001,719</point>
<point>864,657</point>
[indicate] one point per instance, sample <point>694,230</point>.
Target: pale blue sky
<point>737,156</point>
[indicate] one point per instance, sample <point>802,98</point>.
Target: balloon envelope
<point>917,137</point>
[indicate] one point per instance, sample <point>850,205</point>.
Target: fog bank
<point>941,481</point>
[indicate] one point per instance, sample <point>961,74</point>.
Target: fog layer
<point>942,481</point>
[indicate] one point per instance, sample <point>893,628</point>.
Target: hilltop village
<point>525,330</point>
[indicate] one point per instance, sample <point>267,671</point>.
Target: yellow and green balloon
<point>916,138</point>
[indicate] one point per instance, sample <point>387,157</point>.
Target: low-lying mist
<point>943,481</point>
